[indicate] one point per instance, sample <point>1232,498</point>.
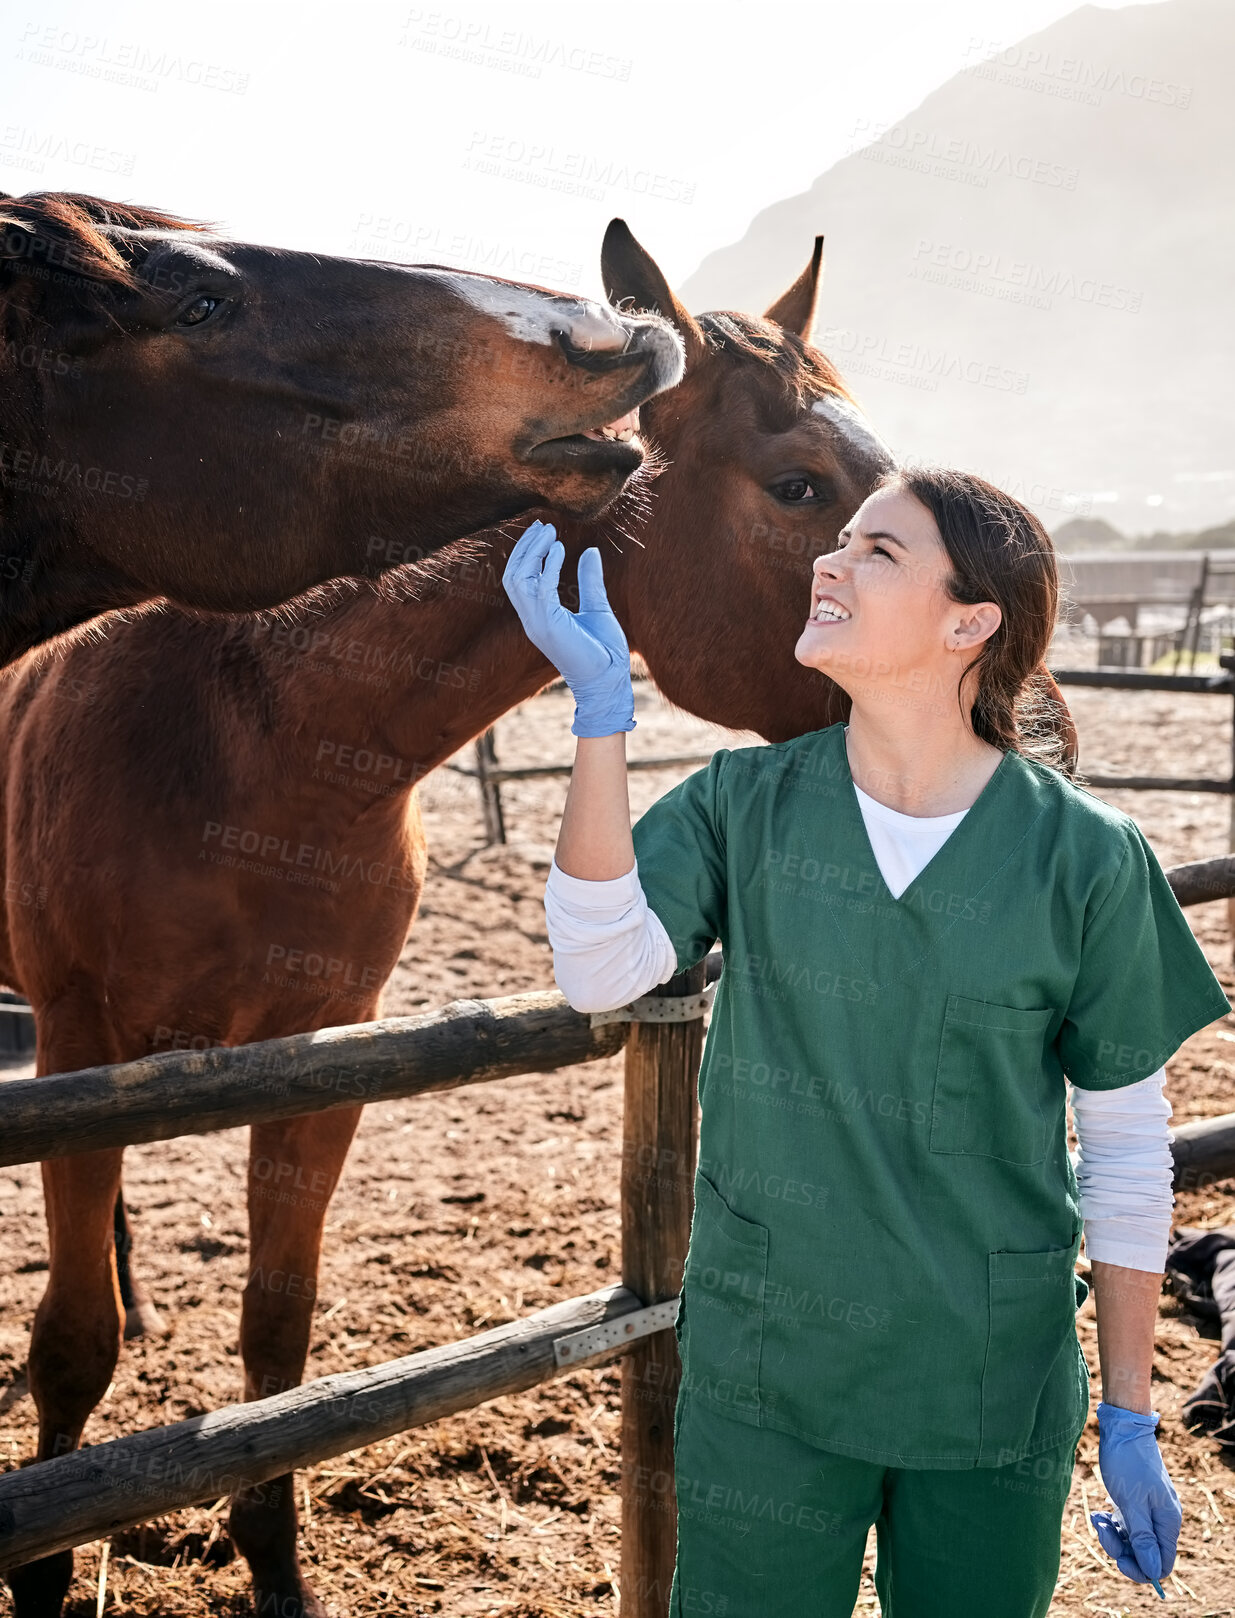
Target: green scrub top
<point>886,1220</point>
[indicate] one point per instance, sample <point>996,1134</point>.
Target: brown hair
<point>1000,552</point>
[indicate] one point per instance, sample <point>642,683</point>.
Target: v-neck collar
<point>977,814</point>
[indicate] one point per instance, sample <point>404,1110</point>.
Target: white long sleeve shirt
<point>609,947</point>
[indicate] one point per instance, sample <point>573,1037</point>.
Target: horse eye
<point>200,309</point>
<point>795,490</point>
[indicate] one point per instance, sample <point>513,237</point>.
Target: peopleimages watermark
<point>742,1076</point>
<point>31,149</point>
<point>804,876</point>
<point>328,970</point>
<point>375,662</point>
<point>576,173</point>
<point>508,50</point>
<point>35,472</point>
<point>272,854</point>
<point>1014,280</point>
<point>1070,78</point>
<point>421,242</point>
<point>914,364</point>
<point>32,356</point>
<point>125,62</point>
<point>1045,496</point>
<point>961,158</point>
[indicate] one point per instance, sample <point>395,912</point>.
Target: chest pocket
<point>989,1083</point>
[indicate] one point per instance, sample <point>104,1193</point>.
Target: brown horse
<point>248,787</point>
<point>224,424</point>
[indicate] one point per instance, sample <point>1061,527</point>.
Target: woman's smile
<point>826,609</point>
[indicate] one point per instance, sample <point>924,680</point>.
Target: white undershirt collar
<point>897,817</point>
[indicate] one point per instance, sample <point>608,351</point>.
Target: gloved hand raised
<point>1142,1533</point>
<point>587,647</point>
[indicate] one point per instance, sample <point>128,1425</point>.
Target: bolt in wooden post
<point>659,1143</point>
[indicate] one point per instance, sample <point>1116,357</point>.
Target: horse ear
<point>19,287</point>
<point>16,234</point>
<point>630,271</point>
<point>795,310</point>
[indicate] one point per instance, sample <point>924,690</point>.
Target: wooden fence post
<point>659,1144</point>
<point>490,791</point>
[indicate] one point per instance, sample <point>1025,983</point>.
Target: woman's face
<point>881,624</point>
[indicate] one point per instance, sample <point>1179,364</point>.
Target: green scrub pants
<point>771,1527</point>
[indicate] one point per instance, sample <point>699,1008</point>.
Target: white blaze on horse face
<point>853,426</point>
<point>532,316</point>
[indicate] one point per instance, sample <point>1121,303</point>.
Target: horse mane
<point>806,369</point>
<point>73,220</point>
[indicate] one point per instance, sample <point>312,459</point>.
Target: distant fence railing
<point>489,774</point>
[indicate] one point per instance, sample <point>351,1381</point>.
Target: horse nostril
<point>594,359</point>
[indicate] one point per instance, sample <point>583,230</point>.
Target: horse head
<point>226,424</point>
<point>772,454</point>
<point>715,598</point>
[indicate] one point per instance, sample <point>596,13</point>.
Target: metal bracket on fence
<point>659,1008</point>
<point>582,1345</point>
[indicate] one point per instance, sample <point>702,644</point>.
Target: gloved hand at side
<point>588,647</point>
<point>1143,1531</point>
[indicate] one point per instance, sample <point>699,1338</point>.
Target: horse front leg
<point>76,1339</point>
<point>294,1167</point>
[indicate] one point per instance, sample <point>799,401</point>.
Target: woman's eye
<point>795,490</point>
<point>200,309</point>
<point>876,550</point>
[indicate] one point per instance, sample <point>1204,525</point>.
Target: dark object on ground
<point>16,1025</point>
<point>1201,1265</point>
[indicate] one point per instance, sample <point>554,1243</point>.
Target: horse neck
<point>412,681</point>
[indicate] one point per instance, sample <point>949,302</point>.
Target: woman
<point>927,931</point>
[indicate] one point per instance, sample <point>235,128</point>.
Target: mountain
<point>1089,534</point>
<point>1080,534</point>
<point>1031,274</point>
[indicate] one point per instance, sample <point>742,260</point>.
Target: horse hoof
<point>39,1588</point>
<point>291,1601</point>
<point>142,1319</point>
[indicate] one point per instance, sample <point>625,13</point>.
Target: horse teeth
<point>613,435</point>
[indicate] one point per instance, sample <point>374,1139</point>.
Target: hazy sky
<point>486,135</point>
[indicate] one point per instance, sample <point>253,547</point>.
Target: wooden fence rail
<point>466,1042</point>
<point>95,1491</point>
<point>194,1092</point>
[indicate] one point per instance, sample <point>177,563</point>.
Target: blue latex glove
<point>587,647</point>
<point>1141,1534</point>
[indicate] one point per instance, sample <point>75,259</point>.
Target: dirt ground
<point>460,1211</point>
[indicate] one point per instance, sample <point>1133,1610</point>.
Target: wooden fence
<point>91,1493</point>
